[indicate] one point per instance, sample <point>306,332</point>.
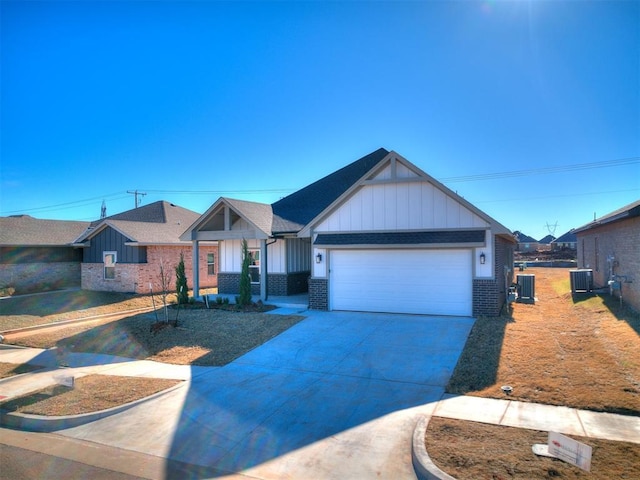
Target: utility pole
<point>137,193</point>
<point>103,210</point>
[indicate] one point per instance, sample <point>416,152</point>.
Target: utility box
<point>526,288</point>
<point>581,280</point>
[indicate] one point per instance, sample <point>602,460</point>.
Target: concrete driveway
<point>335,396</point>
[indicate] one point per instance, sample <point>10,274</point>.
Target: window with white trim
<point>254,266</point>
<point>109,259</point>
<point>211,264</point>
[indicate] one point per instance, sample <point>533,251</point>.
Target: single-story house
<point>123,252</point>
<point>377,235</point>
<point>525,242</point>
<point>545,242</point>
<point>566,240</point>
<point>610,246</point>
<point>36,254</point>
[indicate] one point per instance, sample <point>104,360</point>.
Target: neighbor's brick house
<point>36,255</point>
<point>123,253</point>
<point>610,246</point>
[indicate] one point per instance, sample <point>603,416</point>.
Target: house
<point>545,242</point>
<point>124,252</point>
<point>525,242</point>
<point>565,241</point>
<point>36,255</point>
<point>377,235</point>
<point>610,246</point>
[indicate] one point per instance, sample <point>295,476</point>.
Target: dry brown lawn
<point>474,451</point>
<point>581,352</point>
<point>90,393</point>
<point>11,369</point>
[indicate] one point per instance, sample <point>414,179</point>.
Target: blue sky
<point>189,101</point>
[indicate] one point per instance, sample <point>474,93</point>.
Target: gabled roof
<point>624,213</point>
<point>24,230</point>
<point>296,210</point>
<point>547,239</point>
<point>159,223</point>
<point>522,238</point>
<point>568,237</point>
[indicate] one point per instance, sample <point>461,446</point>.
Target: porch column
<point>196,268</point>
<point>263,273</point>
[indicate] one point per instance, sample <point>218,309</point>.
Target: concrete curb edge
<point>422,464</point>
<point>43,423</point>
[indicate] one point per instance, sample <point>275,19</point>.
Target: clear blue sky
<point>188,101</point>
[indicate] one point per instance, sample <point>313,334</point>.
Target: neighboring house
<point>525,242</point>
<point>36,255</point>
<point>124,252</point>
<point>377,235</point>
<point>545,242</point>
<point>610,246</point>
<point>566,240</point>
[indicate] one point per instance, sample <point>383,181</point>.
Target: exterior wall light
<point>483,258</point>
<point>318,258</point>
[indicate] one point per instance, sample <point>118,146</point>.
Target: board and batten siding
<point>231,255</point>
<point>110,240</point>
<point>298,255</point>
<point>400,206</point>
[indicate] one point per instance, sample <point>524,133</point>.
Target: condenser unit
<point>581,280</point>
<point>526,288</point>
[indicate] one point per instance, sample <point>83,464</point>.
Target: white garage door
<point>434,282</point>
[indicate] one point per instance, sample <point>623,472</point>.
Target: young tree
<point>165,285</point>
<point>245,279</point>
<point>181,282</point>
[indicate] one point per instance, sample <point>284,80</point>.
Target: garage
<point>425,281</point>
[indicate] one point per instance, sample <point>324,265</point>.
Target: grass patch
<point>11,369</point>
<point>470,450</point>
<point>91,393</point>
<point>584,355</point>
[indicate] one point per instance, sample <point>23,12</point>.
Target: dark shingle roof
<point>293,212</point>
<point>25,230</point>
<point>547,239</point>
<point>628,211</point>
<point>522,238</point>
<point>157,223</point>
<point>401,238</point>
<point>570,236</point>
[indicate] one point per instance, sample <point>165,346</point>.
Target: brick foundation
<point>37,277</point>
<point>318,294</point>
<point>279,284</point>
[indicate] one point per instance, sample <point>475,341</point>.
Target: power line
<point>542,171</point>
<point>74,204</point>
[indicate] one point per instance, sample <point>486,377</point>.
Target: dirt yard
<point>581,352</point>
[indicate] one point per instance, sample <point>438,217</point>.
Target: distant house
<point>123,252</point>
<point>37,255</point>
<point>566,240</point>
<point>525,242</point>
<point>610,246</point>
<point>377,235</point>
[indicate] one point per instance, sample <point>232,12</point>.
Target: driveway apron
<point>332,389</point>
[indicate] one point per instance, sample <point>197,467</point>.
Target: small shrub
<point>245,279</point>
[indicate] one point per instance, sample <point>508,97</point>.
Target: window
<point>211,264</point>
<point>109,259</point>
<point>254,266</point>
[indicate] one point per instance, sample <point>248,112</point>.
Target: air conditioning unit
<point>581,280</point>
<point>526,288</point>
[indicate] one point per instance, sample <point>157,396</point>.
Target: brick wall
<point>622,241</point>
<point>279,284</point>
<point>137,277</point>
<point>318,294</point>
<point>489,295</point>
<point>37,277</point>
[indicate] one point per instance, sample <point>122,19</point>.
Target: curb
<point>76,320</point>
<point>44,423</point>
<point>422,464</point>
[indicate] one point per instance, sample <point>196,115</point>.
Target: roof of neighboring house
<point>522,238</point>
<point>547,239</point>
<point>159,223</point>
<point>24,230</point>
<point>568,237</point>
<point>624,213</point>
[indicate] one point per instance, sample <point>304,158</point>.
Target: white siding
<point>400,206</point>
<point>231,255</point>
